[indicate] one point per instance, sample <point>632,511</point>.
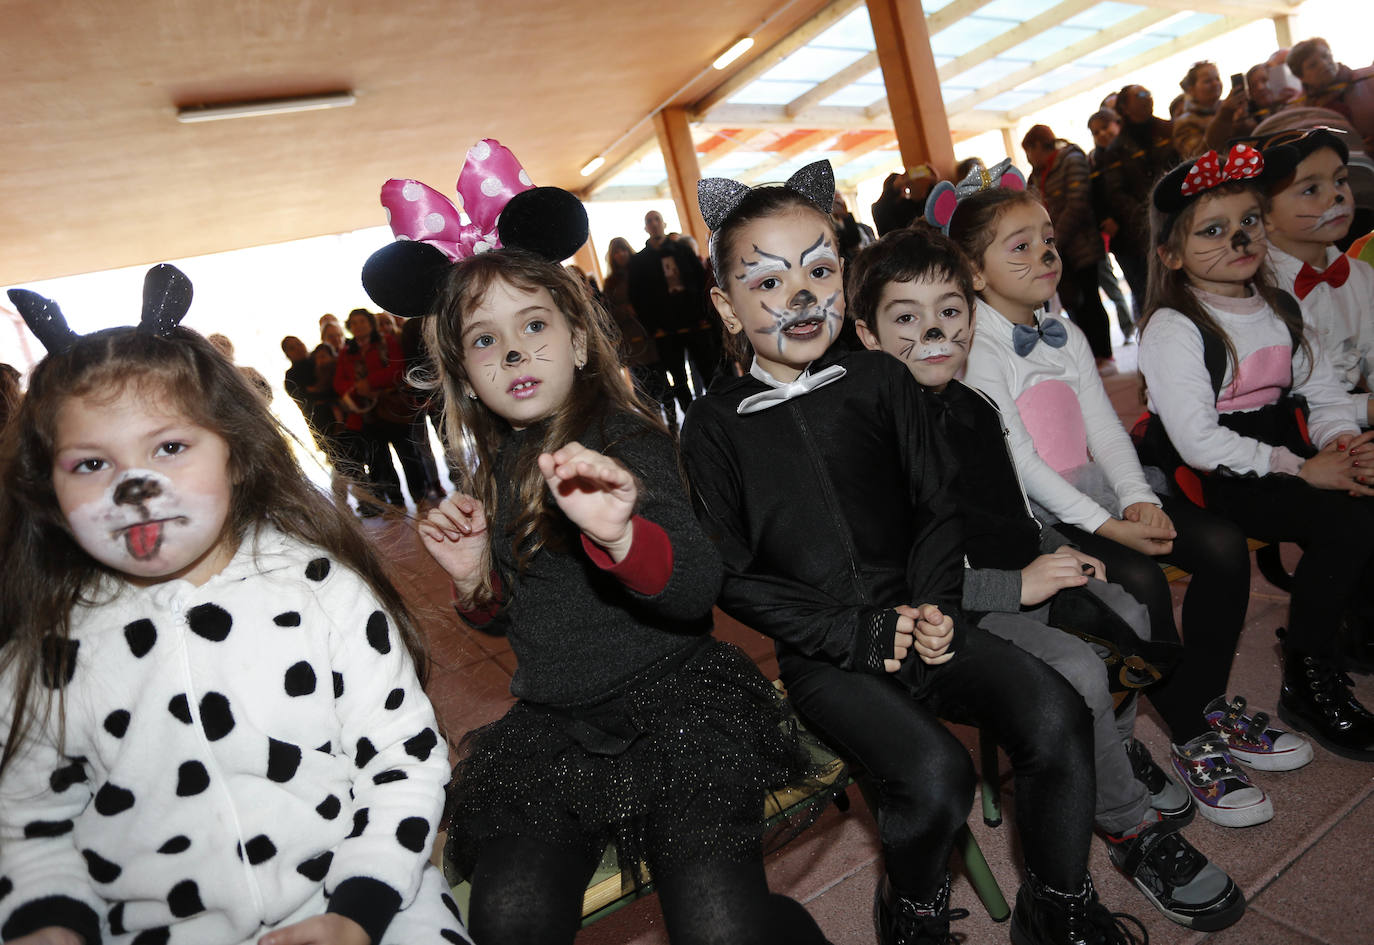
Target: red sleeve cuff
<point>481,616</point>
<point>648,566</point>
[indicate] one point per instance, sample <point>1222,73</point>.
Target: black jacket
<point>1139,156</point>
<point>828,509</point>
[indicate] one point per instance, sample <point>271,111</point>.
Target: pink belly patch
<point>1260,380</point>
<point>1052,416</point>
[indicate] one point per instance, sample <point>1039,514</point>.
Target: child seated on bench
<point>911,295</point>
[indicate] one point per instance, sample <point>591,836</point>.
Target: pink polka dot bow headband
<point>504,210</point>
<point>1192,179</point>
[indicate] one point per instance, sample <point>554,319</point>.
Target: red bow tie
<point>1333,275</point>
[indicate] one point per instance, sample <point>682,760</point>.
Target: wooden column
<point>1009,143</point>
<point>913,84</point>
<point>680,157</point>
<point>1283,31</point>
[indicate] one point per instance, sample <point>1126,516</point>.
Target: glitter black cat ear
<point>44,319</point>
<point>166,299</point>
<point>815,182</point>
<point>716,197</point>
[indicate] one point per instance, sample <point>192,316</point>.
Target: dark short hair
<point>1303,51</point>
<point>919,253</point>
<point>1107,115</point>
<point>1038,135</point>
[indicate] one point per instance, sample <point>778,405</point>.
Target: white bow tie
<point>779,392</point>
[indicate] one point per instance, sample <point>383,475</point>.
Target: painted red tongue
<point>143,540</point>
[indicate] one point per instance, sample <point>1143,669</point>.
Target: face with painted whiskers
<point>1222,245</point>
<point>925,323</point>
<point>1020,269</point>
<point>144,488</point>
<point>1316,206</point>
<point>784,290</point>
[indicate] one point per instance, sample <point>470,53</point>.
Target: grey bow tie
<point>779,393</point>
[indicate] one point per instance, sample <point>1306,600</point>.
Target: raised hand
<point>595,492</point>
<point>455,535</point>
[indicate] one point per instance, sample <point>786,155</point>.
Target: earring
<point>580,361</point>
<point>472,395</point>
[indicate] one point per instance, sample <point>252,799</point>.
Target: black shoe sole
<point>1317,734</point>
<point>1209,922</point>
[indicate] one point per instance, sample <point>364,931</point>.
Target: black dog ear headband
<point>505,210</point>
<point>717,197</point>
<point>166,299</point>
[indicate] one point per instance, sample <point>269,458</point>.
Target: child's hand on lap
<point>455,535</point>
<point>1087,564</point>
<point>1341,465</point>
<point>1143,527</point>
<point>933,634</point>
<point>596,493</point>
<point>1048,574</point>
<point>902,643</point>
<point>327,929</point>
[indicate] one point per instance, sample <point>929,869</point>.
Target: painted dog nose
<point>136,491</point>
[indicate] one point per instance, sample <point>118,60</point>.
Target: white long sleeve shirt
<point>1180,389</point>
<point>1342,319</point>
<point>1059,420</point>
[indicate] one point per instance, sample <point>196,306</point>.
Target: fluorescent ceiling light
<point>734,52</point>
<point>271,106</point>
<point>592,166</point>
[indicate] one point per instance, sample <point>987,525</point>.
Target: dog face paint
<point>927,324</point>
<point>145,490</point>
<point>786,293</point>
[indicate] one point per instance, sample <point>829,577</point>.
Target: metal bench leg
<point>980,875</point>
<point>992,780</point>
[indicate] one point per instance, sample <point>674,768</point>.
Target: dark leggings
<point>1336,533</point>
<point>529,892</point>
<point>922,773</point>
<point>1078,291</point>
<point>1213,550</point>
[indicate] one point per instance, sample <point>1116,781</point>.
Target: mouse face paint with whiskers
<point>1020,268</point>
<point>1317,206</point>
<point>145,490</point>
<point>927,324</point>
<point>1225,243</point>
<point>786,293</point>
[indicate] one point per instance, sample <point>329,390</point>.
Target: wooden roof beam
<point>1036,25</point>
<point>633,156</point>
<point>952,13</point>
<point>1127,27</point>
<point>1245,8</point>
<point>801,145</point>
<point>842,79</point>
<point>733,143</point>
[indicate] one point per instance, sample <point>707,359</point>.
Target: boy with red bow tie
<point>1308,206</point>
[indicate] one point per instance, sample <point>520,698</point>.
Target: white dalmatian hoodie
<point>229,749</point>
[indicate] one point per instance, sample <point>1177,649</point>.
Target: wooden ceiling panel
<point>99,174</point>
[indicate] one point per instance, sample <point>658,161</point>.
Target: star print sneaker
<point>1252,740</point>
<point>1223,793</point>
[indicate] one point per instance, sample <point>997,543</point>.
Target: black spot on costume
<point>141,635</point>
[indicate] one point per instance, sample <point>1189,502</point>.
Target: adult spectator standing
<point>1329,84</point>
<point>1104,125</point>
<point>1141,154</point>
<point>1206,121</point>
<point>299,377</point>
<point>638,352</point>
<point>1264,99</point>
<point>1062,179</point>
<point>851,235</point>
<point>668,293</point>
<point>903,199</point>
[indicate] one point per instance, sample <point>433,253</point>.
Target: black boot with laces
<point>1317,698</point>
<point>900,920</point>
<point>1047,916</point>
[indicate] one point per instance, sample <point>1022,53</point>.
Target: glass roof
<point>981,86</point>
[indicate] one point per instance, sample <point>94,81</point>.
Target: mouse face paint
<point>1226,243</point>
<point>786,292</point>
<point>928,325</point>
<point>144,490</point>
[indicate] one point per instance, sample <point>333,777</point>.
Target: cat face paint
<point>927,324</point>
<point>1021,268</point>
<point>1225,245</point>
<point>786,293</point>
<point>145,490</point>
<point>1317,207</point>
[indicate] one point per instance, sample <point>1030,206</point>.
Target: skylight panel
<point>1104,15</point>
<point>764,92</point>
<point>853,31</point>
<point>812,63</point>
<point>968,34</point>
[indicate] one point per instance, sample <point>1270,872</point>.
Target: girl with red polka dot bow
<point>213,732</point>
<point>1249,419</point>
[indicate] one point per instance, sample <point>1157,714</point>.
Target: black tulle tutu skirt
<point>674,765</point>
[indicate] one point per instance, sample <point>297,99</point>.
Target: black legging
<point>923,775</point>
<point>1213,550</point>
<point>1336,533</point>
<point>527,891</point>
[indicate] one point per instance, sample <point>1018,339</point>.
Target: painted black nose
<point>1240,240</point>
<point>933,334</point>
<point>513,357</point>
<point>802,300</point>
<point>136,491</point>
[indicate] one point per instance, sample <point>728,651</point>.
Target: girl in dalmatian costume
<point>213,729</point>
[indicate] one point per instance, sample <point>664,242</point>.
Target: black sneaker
<point>1173,801</point>
<point>902,921</point>
<point>1046,916</point>
<point>1176,878</point>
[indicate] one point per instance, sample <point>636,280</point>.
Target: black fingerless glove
<point>874,640</point>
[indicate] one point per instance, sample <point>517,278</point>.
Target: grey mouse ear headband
<point>166,299</point>
<point>719,196</point>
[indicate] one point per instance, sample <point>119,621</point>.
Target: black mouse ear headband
<point>166,299</point>
<point>1186,183</point>
<point>719,196</point>
<point>504,208</point>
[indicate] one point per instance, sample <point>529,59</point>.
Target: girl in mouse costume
<point>575,539</point>
<point>213,728</point>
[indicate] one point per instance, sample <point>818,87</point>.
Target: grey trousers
<point>1122,801</point>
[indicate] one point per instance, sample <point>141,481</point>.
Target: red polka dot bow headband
<point>1243,163</point>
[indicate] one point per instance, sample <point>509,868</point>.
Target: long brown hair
<point>1170,288</point>
<point>45,573</point>
<point>599,388</point>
